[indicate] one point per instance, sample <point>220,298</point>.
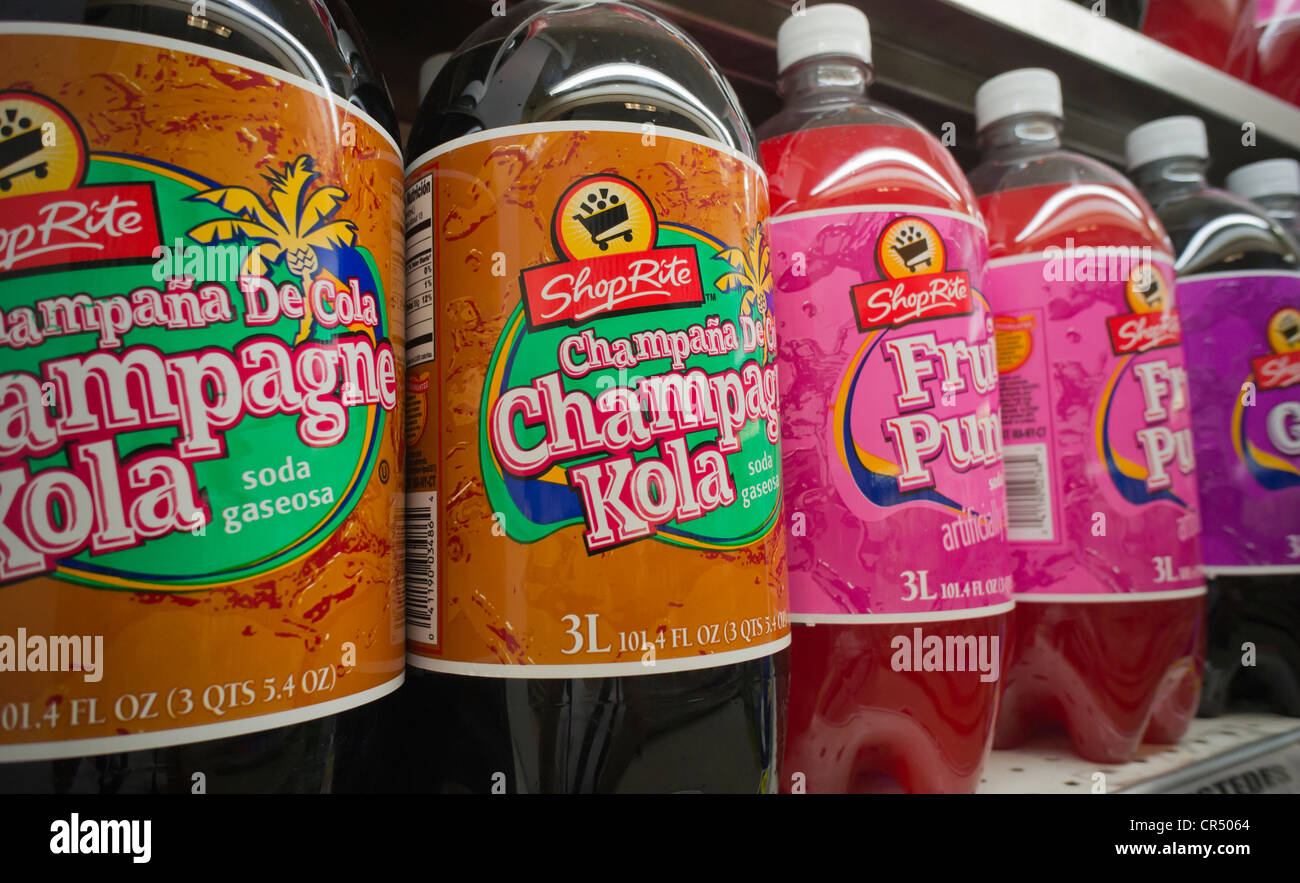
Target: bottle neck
<point>825,80</point>
<point>1177,175</point>
<point>1020,135</point>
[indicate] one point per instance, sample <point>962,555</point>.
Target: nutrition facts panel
<point>419,271</point>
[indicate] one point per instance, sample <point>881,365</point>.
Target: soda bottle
<point>1220,33</point>
<point>899,569</point>
<point>202,493</point>
<point>1239,296</point>
<point>1274,186</point>
<point>1101,507</point>
<point>598,598</point>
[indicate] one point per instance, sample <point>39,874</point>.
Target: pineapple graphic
<point>296,224</point>
<point>752,276</point>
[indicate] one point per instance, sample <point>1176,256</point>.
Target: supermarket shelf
<point>931,56</point>
<point>1238,753</point>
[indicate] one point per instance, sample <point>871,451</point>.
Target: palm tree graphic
<point>294,225</point>
<point>752,274</point>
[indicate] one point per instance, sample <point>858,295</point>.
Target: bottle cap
<point>1169,137</point>
<point>430,69</point>
<point>828,29</point>
<point>1270,177</point>
<point>1028,90</point>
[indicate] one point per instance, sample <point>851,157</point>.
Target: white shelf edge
<point>1212,748</point>
<point>1072,28</point>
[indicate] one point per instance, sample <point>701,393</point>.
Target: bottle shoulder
<point>1037,200</point>
<point>575,61</point>
<point>1216,231</point>
<point>866,155</point>
<point>1011,170</point>
<point>318,42</point>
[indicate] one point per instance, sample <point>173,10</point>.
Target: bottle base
<point>857,725</point>
<point>714,730</point>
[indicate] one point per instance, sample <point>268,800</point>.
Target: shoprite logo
<point>49,215</point>
<point>605,226</point>
<point>1153,322</point>
<point>910,255</point>
<point>1281,368</point>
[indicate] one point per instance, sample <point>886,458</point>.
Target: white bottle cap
<point>1169,137</point>
<point>828,29</point>
<point>430,69</point>
<point>1270,177</point>
<point>1028,90</point>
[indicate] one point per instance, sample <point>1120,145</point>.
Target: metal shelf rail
<point>938,52</point>
<point>1234,754</point>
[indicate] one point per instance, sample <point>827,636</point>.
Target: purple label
<point>1243,348</point>
<point>1096,427</point>
<point>891,441</point>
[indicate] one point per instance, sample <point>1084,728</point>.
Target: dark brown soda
<point>331,753</point>
<point>709,730</point>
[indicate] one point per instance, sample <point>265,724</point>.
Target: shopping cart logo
<point>603,214</point>
<point>911,257</point>
<point>49,217</point>
<point>604,217</point>
<point>605,231</point>
<point>1153,322</point>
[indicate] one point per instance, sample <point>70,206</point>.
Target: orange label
<point>601,464</point>
<point>1015,341</point>
<point>201,363</point>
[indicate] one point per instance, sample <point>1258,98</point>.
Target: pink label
<point>891,441</point>
<point>1101,481</point>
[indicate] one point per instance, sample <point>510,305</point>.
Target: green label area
<point>194,378</point>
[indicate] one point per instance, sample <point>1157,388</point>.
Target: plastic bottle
<point>1220,33</point>
<point>224,555</point>
<point>1239,297</point>
<point>1274,186</point>
<point>599,604</point>
<point>895,548</point>
<point>1102,511</point>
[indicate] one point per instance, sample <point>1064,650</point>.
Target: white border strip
<point>901,618</point>
<point>899,209</point>
<point>580,126</point>
<point>186,735</point>
<point>1042,256</point>
<point>1242,274</point>
<point>596,670</point>
<point>1109,597</point>
<point>117,35</point>
<point>1255,570</point>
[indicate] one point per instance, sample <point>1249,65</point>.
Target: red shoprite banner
<point>102,223</point>
<point>1277,371</point>
<point>893,302</point>
<point>574,292</point>
<point>1139,332</point>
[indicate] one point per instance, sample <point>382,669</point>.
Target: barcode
<point>421,534</point>
<point>1029,494</point>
